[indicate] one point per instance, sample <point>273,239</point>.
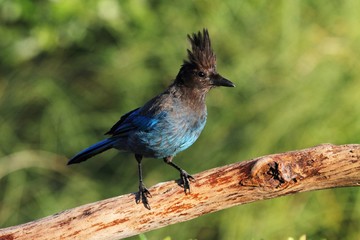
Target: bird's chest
<point>177,130</point>
<point>191,123</point>
<point>182,131</point>
<point>192,126</point>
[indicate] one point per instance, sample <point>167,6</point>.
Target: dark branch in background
<point>320,167</point>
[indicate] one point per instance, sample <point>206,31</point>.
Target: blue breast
<point>165,134</point>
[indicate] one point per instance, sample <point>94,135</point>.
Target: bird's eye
<point>201,74</point>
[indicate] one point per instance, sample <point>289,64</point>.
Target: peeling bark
<point>320,167</point>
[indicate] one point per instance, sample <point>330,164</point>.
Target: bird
<point>171,121</point>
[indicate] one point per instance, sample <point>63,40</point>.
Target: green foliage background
<point>70,68</point>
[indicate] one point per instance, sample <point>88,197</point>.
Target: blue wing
<point>132,121</point>
<point>121,125</point>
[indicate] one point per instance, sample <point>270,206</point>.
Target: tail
<point>92,151</point>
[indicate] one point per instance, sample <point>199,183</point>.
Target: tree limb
<point>320,167</point>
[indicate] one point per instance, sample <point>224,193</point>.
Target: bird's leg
<point>184,176</point>
<point>143,192</point>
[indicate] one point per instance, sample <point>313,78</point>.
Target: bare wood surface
<point>320,167</point>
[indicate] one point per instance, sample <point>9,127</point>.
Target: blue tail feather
<point>92,151</point>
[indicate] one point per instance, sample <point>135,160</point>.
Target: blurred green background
<point>70,68</point>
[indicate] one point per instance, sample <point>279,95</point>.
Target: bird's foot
<point>185,179</point>
<point>143,196</point>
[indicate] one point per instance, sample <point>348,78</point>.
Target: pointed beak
<point>218,80</point>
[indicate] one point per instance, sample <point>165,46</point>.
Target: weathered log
<point>320,167</point>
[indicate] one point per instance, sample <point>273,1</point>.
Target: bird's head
<point>199,71</point>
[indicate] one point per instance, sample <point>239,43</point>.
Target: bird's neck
<point>192,97</point>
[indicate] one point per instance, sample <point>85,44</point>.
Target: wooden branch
<point>320,167</point>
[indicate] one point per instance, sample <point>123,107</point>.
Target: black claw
<point>185,180</point>
<point>143,193</point>
<point>143,196</point>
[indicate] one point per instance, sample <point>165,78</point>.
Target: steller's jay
<point>170,122</point>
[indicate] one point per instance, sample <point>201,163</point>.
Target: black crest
<point>201,53</point>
